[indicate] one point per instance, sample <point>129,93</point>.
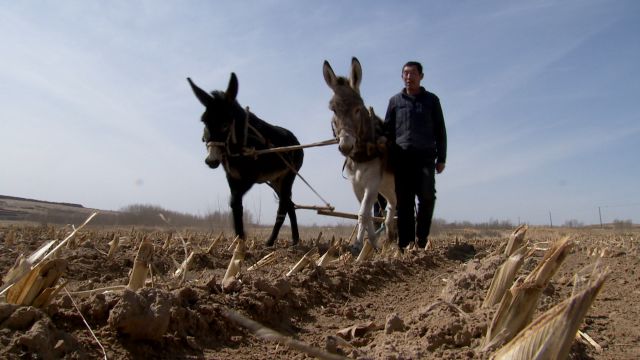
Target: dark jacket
<point>417,123</point>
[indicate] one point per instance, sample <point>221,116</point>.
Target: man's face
<point>411,78</point>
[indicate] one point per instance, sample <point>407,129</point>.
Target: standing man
<point>415,126</point>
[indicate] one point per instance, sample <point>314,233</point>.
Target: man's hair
<point>416,64</point>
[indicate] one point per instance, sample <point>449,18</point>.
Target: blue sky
<point>540,99</point>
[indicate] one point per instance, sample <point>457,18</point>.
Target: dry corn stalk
<point>303,262</point>
<point>167,241</point>
<point>365,253</point>
<point>182,269</point>
<point>268,259</point>
<point>99,290</point>
<point>234,242</point>
<point>10,238</point>
<point>516,240</point>
<point>353,233</point>
<point>236,262</point>
<point>503,278</point>
<point>550,336</point>
<point>589,340</point>
<point>318,239</point>
<point>329,255</point>
<point>113,246</point>
<point>519,303</point>
<point>141,265</point>
<point>266,333</point>
<point>23,266</point>
<point>214,242</point>
<point>47,295</point>
<point>36,288</point>
<point>70,236</point>
<point>359,330</point>
<point>71,244</point>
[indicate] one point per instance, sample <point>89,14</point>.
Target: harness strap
<point>373,147</point>
<point>248,126</point>
<point>292,168</point>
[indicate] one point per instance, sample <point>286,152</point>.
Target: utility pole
<point>550,220</point>
<point>600,214</point>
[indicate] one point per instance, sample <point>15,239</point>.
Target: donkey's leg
<point>287,185</point>
<point>285,206</point>
<point>238,189</point>
<point>365,218</point>
<point>358,190</point>
<point>387,189</point>
<point>293,219</point>
<point>366,190</point>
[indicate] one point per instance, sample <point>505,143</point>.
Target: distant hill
<point>14,208</point>
<point>3,197</point>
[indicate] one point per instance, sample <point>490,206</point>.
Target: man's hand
<point>439,168</point>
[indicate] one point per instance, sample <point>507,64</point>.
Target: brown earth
<point>420,305</point>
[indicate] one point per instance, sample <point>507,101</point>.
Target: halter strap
<point>365,149</point>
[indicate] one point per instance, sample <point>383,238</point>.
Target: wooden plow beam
<point>330,211</point>
<point>346,215</point>
<point>253,152</point>
<point>315,207</point>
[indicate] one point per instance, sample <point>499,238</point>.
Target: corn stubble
<point>503,278</point>
<point>38,287</point>
<point>550,336</point>
<point>141,265</point>
<point>519,303</point>
<point>235,264</point>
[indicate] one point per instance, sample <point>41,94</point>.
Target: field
<point>416,305</point>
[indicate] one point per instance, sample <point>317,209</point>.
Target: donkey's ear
<point>232,88</point>
<point>356,75</point>
<point>329,76</point>
<point>202,95</point>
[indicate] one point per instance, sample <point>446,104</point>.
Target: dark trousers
<point>415,178</point>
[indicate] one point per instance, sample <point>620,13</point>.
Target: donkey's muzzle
<point>346,145</point>
<point>212,163</point>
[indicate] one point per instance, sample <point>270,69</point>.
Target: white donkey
<point>364,145</point>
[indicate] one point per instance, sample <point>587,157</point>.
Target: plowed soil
<point>416,305</point>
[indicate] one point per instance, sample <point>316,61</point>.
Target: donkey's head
<point>349,112</point>
<point>220,111</point>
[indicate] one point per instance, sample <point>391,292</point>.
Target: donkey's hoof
<point>295,242</point>
<point>269,243</point>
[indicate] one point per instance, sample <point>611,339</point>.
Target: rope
<point>291,167</point>
<point>253,152</point>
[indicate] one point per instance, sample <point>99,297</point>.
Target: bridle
<point>366,138</point>
<point>231,140</point>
